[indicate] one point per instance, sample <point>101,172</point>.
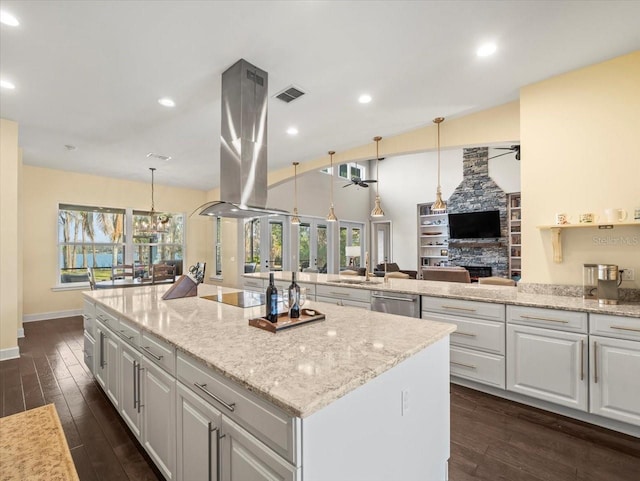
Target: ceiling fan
<point>513,148</point>
<point>360,182</point>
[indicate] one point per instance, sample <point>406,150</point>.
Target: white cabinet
<point>158,416</point>
<point>614,357</point>
<point>244,458</point>
<point>433,237</point>
<point>547,364</point>
<point>478,344</point>
<point>343,296</point>
<point>197,437</point>
<point>130,408</point>
<point>106,362</point>
<point>89,350</point>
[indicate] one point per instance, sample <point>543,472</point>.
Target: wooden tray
<point>285,322</point>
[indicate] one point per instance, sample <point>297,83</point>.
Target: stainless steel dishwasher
<point>396,303</point>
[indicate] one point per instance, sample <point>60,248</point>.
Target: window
<point>97,237</point>
<point>89,237</point>
<point>252,245</point>
<point>350,235</point>
<point>351,170</point>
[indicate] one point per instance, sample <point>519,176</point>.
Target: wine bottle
<point>294,298</point>
<point>272,300</point>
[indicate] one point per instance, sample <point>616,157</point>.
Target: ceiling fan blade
<point>500,155</point>
<point>346,185</point>
<point>371,181</point>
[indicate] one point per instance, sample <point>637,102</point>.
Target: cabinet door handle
<point>462,333</point>
<point>470,366</point>
<point>595,362</point>
<point>581,359</point>
<point>123,335</point>
<point>148,351</point>
<point>135,401</point>
<point>456,308</point>
<point>219,468</point>
<point>550,319</point>
<point>203,387</point>
<point>139,388</point>
<point>212,429</point>
<point>101,349</point>
<point>622,328</point>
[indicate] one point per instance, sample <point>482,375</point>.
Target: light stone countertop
<point>301,369</point>
<point>471,292</point>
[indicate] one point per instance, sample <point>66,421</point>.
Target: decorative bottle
<point>294,298</point>
<point>272,300</point>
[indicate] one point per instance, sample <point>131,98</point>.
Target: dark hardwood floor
<point>492,439</point>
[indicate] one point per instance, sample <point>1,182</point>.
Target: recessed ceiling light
<point>5,84</point>
<point>486,49</point>
<point>292,131</point>
<point>166,102</point>
<point>364,99</point>
<point>7,19</point>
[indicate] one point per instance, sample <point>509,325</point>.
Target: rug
<point>33,447</point>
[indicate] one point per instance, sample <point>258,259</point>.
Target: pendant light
<point>157,222</point>
<point>377,208</point>
<point>331,216</point>
<point>439,205</point>
<point>295,219</point>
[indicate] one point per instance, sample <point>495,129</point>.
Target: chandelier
<point>295,219</point>
<point>155,223</point>
<point>439,205</point>
<point>331,216</point>
<point>377,208</point>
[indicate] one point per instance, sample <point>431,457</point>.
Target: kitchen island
<point>360,395</point>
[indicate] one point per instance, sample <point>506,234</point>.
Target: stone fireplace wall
<point>478,192</point>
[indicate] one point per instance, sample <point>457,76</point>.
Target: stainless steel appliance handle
<point>203,387</point>
<point>148,351</point>
<point>394,298</point>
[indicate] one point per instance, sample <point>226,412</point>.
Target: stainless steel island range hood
<point>243,145</point>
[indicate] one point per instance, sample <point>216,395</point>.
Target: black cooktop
<point>239,299</point>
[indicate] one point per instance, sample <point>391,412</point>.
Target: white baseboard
<point>51,315</point>
<point>9,353</point>
<point>21,333</point>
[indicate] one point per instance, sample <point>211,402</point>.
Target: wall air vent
<point>289,94</point>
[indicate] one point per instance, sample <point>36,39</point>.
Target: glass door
<point>275,247</point>
<point>314,248</point>
<point>351,234</point>
<point>381,240</point>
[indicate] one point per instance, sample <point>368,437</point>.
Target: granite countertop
<point>301,369</point>
<point>471,292</point>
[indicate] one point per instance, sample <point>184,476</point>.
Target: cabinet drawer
<point>548,318</point>
<point>160,352</point>
<point>89,349</point>
<point>337,292</point>
<point>253,285</point>
<point>263,420</point>
<point>344,302</point>
<point>461,307</point>
<point>615,326</point>
<point>473,333</point>
<point>89,317</point>
<point>128,332</point>
<point>107,318</point>
<point>477,366</point>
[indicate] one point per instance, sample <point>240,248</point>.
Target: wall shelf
<point>556,231</point>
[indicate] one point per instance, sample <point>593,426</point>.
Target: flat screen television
<point>474,225</point>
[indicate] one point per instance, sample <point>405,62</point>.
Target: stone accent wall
<point>478,192</point>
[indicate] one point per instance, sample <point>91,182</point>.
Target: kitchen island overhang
<point>352,383</point>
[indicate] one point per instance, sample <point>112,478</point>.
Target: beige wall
<point>45,188</point>
<point>579,137</point>
<point>10,237</point>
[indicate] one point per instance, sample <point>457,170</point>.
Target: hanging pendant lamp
<point>377,208</point>
<point>295,219</point>
<point>157,222</point>
<point>439,205</point>
<point>331,216</point>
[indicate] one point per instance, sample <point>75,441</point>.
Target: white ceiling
<point>89,73</point>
